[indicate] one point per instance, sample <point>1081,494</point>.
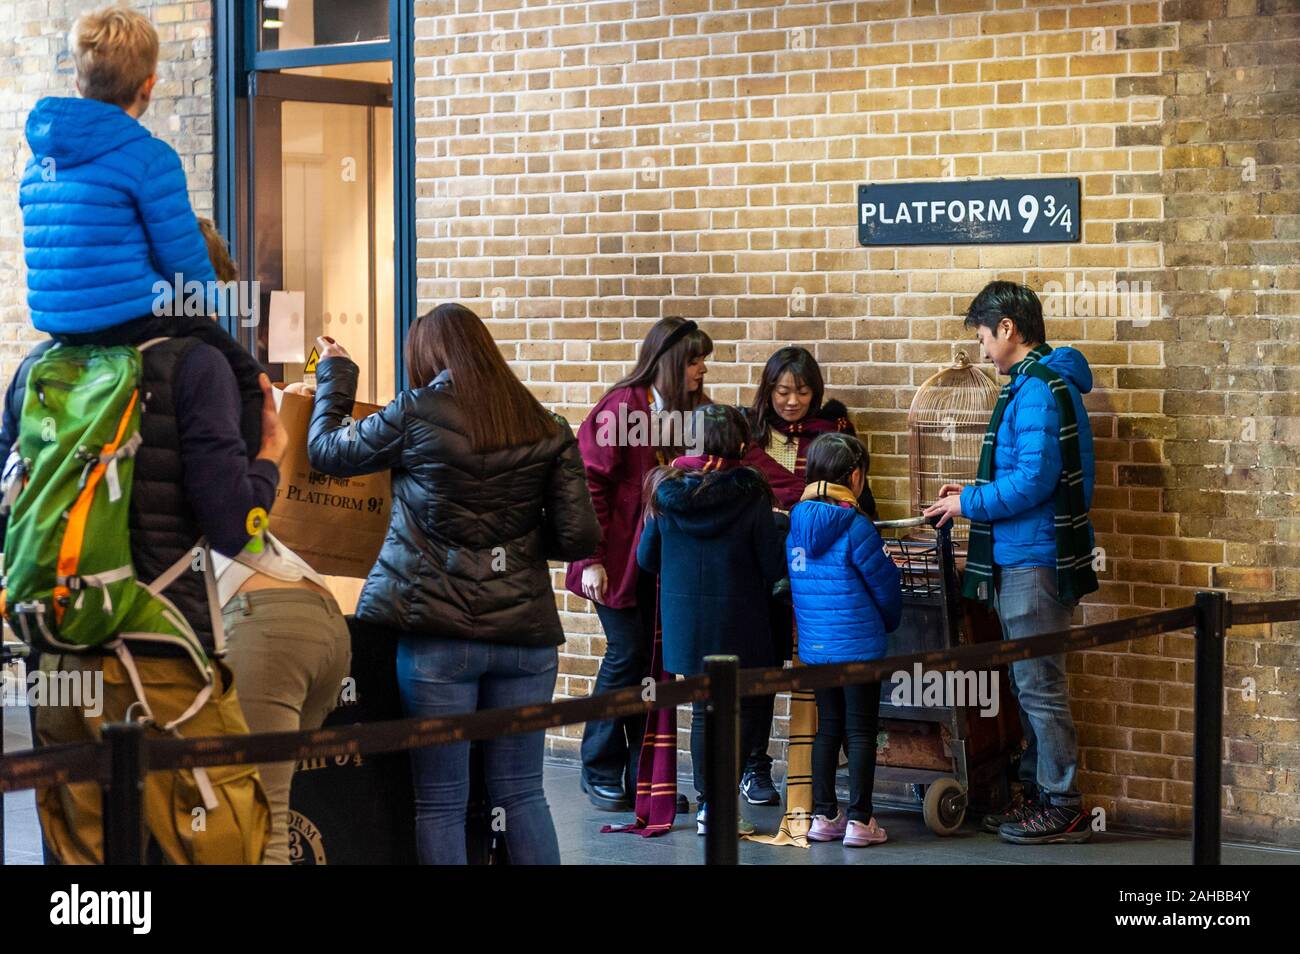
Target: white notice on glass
<point>287,341</point>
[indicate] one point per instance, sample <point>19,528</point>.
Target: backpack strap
<point>201,779</point>
<point>173,573</point>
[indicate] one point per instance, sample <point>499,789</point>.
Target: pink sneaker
<point>828,829</point>
<point>858,835</point>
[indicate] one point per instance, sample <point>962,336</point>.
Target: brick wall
<point>586,168</point>
<point>36,61</point>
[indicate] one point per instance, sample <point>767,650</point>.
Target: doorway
<point>317,223</point>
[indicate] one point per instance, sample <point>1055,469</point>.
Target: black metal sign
<point>978,212</point>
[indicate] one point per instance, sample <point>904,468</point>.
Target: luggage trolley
<point>948,755</point>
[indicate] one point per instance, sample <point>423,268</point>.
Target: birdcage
<point>946,426</point>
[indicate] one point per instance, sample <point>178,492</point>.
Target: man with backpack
<point>187,486</point>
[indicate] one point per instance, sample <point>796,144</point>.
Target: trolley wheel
<point>945,806</point>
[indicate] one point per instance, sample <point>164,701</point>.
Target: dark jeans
<point>755,721</point>
<point>444,677</point>
<point>782,614</point>
<point>757,757</point>
<point>852,714</point>
<point>611,748</point>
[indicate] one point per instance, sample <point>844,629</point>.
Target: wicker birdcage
<point>946,425</point>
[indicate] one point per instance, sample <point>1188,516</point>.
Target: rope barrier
<point>82,762</point>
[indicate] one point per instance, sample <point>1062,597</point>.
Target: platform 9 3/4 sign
<point>976,212</point>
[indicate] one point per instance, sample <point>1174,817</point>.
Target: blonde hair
<point>218,253</point>
<point>116,50</point>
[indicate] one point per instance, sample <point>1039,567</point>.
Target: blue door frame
<point>237,57</point>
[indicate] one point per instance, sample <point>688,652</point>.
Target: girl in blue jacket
<point>847,597</point>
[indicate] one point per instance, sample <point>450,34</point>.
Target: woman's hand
<point>595,582</point>
<point>275,439</point>
<point>327,347</point>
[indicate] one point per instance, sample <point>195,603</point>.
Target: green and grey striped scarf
<point>1075,577</point>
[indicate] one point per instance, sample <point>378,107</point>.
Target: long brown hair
<point>499,410</point>
<point>667,372</point>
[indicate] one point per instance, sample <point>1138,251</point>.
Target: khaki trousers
<point>290,650</point>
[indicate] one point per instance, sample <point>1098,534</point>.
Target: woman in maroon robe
<point>621,441</point>
<point>788,414</point>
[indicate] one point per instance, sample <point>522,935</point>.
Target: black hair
<point>1000,300</point>
<point>720,431</point>
<point>803,366</point>
<point>834,457</point>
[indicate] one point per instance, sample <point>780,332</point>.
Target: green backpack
<point>69,583</point>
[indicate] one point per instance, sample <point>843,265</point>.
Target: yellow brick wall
<point>586,168</point>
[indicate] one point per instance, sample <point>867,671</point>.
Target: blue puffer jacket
<point>847,591</point>
<point>1020,499</point>
<point>106,215</point>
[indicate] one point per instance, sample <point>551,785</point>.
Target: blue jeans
<point>446,677</point>
<point>1026,604</point>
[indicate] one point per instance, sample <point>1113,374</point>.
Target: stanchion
<point>1211,626</point>
<point>123,799</point>
<point>722,742</point>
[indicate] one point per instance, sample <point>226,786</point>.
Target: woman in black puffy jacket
<point>487,486</point>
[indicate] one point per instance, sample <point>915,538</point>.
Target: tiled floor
<point>581,841</point>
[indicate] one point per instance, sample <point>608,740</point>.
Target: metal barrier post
<point>123,798</point>
<point>722,742</point>
<point>1211,627</point>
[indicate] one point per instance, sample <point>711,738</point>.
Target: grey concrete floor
<point>578,825</point>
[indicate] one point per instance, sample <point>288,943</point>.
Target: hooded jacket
<point>1019,501</point>
<point>107,223</point>
<point>470,532</point>
<point>847,591</point>
<point>717,549</point>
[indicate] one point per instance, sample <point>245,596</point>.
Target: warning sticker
<point>312,360</point>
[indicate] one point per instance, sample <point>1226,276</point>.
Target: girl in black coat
<point>713,538</point>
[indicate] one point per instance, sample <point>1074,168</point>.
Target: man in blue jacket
<point>1031,545</point>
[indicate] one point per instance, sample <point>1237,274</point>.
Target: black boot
<point>607,798</point>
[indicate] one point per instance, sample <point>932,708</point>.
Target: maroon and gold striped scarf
<point>656,776</point>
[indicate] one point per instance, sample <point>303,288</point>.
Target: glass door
<point>316,229</point>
